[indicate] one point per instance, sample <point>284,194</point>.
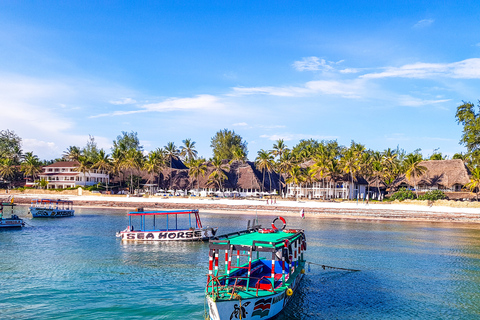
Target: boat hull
<point>262,307</point>
<point>50,213</point>
<point>11,223</point>
<point>172,235</point>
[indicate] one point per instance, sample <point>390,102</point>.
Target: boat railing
<point>215,287</point>
<point>271,283</point>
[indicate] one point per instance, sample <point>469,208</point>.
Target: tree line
<point>325,159</point>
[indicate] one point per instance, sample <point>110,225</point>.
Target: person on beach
<point>302,213</point>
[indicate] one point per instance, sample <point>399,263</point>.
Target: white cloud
<point>123,101</point>
<point>409,101</point>
<point>311,64</point>
<point>424,23</point>
<point>240,124</point>
<point>314,64</point>
<point>200,102</point>
<point>466,69</point>
<point>34,144</point>
<point>349,70</point>
<point>347,89</point>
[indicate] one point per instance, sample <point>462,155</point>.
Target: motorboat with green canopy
<point>255,275</point>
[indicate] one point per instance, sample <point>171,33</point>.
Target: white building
<point>328,189</point>
<point>64,174</point>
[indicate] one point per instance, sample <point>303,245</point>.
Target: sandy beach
<point>313,209</point>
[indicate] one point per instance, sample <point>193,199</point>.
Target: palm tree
<point>264,162</point>
<point>296,177</point>
<point>413,168</point>
<point>172,153</point>
<point>133,161</point>
<point>103,163</point>
<point>154,163</point>
<point>284,164</point>
<point>350,165</point>
<point>474,183</point>
<point>187,151</point>
<point>7,169</point>
<point>279,149</point>
<point>198,167</point>
<point>238,154</point>
<point>218,175</point>
<point>333,171</point>
<point>84,166</point>
<point>31,165</point>
<point>72,153</point>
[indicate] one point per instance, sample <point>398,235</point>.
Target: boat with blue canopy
<point>49,208</point>
<point>255,275</point>
<point>176,225</point>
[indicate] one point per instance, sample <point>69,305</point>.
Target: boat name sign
<point>162,235</point>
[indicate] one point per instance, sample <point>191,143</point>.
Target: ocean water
<point>75,268</point>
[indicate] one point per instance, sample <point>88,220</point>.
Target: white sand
<point>262,204</point>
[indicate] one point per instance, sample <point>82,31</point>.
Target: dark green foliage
<point>10,146</point>
<point>433,195</point>
<point>470,120</point>
<point>226,143</point>
<point>403,194</point>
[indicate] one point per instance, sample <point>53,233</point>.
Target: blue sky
<point>382,73</point>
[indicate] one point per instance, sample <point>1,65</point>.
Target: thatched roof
<point>446,173</point>
<point>240,175</point>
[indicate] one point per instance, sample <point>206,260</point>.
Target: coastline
<point>423,211</point>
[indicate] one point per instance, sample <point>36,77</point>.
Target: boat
<point>178,225</point>
<point>14,221</point>
<point>48,208</point>
<point>255,275</point>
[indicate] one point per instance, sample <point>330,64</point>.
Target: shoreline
<point>313,209</point>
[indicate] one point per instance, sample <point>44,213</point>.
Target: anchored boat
<point>254,275</point>
<point>179,225</point>
<point>14,221</point>
<point>47,208</point>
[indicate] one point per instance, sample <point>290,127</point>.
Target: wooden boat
<point>14,221</point>
<point>47,208</point>
<point>179,225</point>
<point>260,286</point>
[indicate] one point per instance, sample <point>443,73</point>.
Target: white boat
<point>254,275</point>
<point>179,225</point>
<point>14,221</point>
<point>48,208</point>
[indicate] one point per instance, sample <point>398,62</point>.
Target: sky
<point>381,73</point>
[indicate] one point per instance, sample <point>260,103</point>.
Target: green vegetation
<point>227,144</point>
<point>433,195</point>
<point>307,162</point>
<point>403,194</point>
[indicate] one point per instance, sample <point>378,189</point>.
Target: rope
<point>335,268</point>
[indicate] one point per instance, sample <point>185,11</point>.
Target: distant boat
<point>14,221</point>
<point>179,225</point>
<point>254,275</point>
<point>48,208</point>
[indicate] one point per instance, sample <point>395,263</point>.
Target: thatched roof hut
<point>440,174</point>
<point>240,175</point>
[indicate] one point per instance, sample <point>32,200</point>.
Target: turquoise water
<point>75,268</point>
